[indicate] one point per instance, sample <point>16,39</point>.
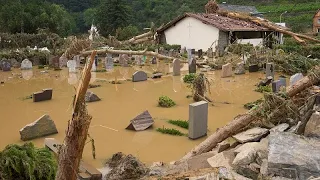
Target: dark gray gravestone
<point>154,60</point>
<point>276,85</point>
<point>198,120</point>
<point>45,95</point>
<point>193,51</point>
<point>200,53</point>
<point>5,65</point>
<point>55,63</point>
<point>253,68</point>
<point>141,122</point>
<point>265,82</point>
<point>193,66</point>
<point>139,76</point>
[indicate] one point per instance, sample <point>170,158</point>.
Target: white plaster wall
<point>199,36</point>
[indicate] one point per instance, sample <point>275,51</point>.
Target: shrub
<point>250,105</point>
<point>173,132</point>
<point>189,78</point>
<point>180,123</point>
<point>27,162</point>
<point>262,89</point>
<point>165,101</point>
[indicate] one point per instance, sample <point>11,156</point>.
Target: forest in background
<point>125,18</point>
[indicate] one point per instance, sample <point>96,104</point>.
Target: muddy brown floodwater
<point>120,103</point>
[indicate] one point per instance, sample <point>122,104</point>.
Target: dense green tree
<point>111,15</point>
<point>126,32</point>
<point>90,16</point>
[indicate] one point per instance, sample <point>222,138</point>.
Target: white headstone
<point>72,64</point>
<point>226,70</point>
<point>109,62</point>
<point>63,61</point>
<point>77,59</point>
<point>26,64</point>
<point>189,56</point>
<point>295,78</point>
<point>198,119</point>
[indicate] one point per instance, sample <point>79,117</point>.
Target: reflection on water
<point>27,74</point>
<point>120,104</point>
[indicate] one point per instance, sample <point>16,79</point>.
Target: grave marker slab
<point>26,64</point>
<point>139,76</point>
<point>295,78</point>
<point>193,66</point>
<point>189,56</point>
<point>42,127</point>
<point>141,122</point>
<point>72,64</point>
<point>200,53</point>
<point>254,68</point>
<point>63,61</point>
<point>193,51</point>
<point>226,70</point>
<point>44,95</point>
<point>55,63</point>
<point>210,53</point>
<point>96,60</point>
<point>5,65</point>
<point>154,60</point>
<point>78,60</point>
<point>109,62</point>
<point>270,70</point>
<point>240,69</point>
<point>198,120</point>
<point>176,67</point>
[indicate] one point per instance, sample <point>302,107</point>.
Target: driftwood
<point>267,24</point>
<point>76,134</point>
<point>243,120</point>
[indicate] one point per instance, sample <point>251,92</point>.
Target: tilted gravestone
<point>270,70</point>
<point>55,62</point>
<point>198,120</point>
<point>240,69</point>
<point>42,127</point>
<point>5,65</point>
<point>295,78</point>
<point>176,67</point>
<point>226,70</point>
<point>139,76</point>
<point>44,95</point>
<point>26,64</point>
<point>193,66</point>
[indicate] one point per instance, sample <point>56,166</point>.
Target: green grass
<point>165,101</point>
<point>101,70</point>
<point>172,131</point>
<point>180,123</point>
<point>250,105</point>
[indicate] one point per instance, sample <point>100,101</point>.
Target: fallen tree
<point>71,153</point>
<point>241,121</point>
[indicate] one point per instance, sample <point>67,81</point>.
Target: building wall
<point>192,33</point>
<point>316,23</point>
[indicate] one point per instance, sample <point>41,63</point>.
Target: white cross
<point>189,26</point>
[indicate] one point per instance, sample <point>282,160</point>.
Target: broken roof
<point>221,22</point>
<point>238,8</point>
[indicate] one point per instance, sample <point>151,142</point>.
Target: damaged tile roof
<point>221,22</point>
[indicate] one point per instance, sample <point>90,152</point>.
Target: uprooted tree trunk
<point>267,24</point>
<point>70,153</point>
<point>241,121</point>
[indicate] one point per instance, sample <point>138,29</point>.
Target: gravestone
<point>109,62</point>
<point>44,95</point>
<point>283,81</point>
<point>226,70</point>
<point>139,76</point>
<point>91,97</point>
<point>270,70</point>
<point>295,78</point>
<point>154,60</point>
<point>193,66</point>
<point>193,51</point>
<point>198,120</point>
<point>123,60</point>
<point>14,63</point>
<point>44,126</point>
<point>138,60</point>
<point>189,56</point>
<point>210,53</point>
<point>254,68</point>
<point>276,85</point>
<point>94,67</point>
<point>54,62</point>
<point>142,122</point>
<point>63,61</point>
<point>240,69</point>
<point>176,67</point>
<point>200,53</point>
<point>72,64</point>
<point>5,65</point>
<point>26,64</point>
<point>78,60</point>
<point>265,82</point>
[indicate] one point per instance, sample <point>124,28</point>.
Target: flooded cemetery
<point>224,99</point>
